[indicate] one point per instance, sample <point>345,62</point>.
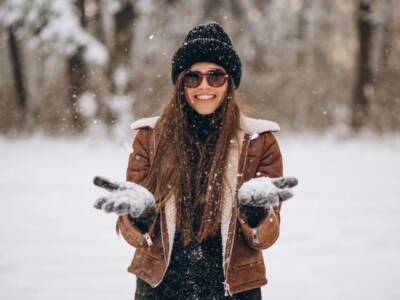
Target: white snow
<point>87,104</point>
<point>256,190</point>
<point>121,78</point>
<point>339,235</point>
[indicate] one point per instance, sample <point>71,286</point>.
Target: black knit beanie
<point>207,43</point>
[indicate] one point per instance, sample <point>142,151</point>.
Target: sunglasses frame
<point>207,75</point>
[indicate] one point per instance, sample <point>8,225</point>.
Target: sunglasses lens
<point>192,79</point>
<point>216,78</point>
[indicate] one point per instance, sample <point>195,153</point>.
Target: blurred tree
<point>363,85</point>
<point>124,19</point>
<point>76,69</point>
<point>385,107</point>
<point>18,71</point>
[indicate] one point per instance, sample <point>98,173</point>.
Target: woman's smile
<point>205,97</point>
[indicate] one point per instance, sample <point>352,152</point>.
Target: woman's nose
<point>204,83</point>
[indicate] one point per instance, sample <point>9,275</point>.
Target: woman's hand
<point>266,192</point>
<point>125,198</point>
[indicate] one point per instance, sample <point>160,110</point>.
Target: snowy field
<point>339,236</point>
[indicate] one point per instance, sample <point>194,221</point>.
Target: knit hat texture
<point>207,43</point>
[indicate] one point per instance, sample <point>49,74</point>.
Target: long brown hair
<point>173,170</point>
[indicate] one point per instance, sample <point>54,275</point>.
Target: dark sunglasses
<point>215,78</point>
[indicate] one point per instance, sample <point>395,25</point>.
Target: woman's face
<point>205,99</point>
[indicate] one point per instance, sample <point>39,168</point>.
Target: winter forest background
<point>75,73</point>
<point>71,65</point>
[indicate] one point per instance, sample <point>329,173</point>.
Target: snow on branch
<point>55,26</point>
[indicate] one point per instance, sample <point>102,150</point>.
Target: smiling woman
<point>205,96</point>
<point>198,229</point>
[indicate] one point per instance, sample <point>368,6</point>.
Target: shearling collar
<point>249,125</point>
<point>145,122</point>
<point>253,125</point>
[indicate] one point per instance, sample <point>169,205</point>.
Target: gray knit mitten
<point>125,198</point>
<point>266,192</point>
<point>258,195</point>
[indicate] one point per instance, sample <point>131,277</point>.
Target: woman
<point>200,203</point>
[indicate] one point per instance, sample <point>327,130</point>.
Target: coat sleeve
<point>266,232</point>
<point>138,168</point>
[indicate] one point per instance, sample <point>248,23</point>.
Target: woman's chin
<point>204,110</point>
<point>205,107</point>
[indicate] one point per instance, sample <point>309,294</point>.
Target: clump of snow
<point>87,104</point>
<point>54,25</point>
<point>259,192</point>
<point>121,78</point>
<point>112,6</point>
<point>121,105</point>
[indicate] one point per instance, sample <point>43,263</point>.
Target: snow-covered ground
<point>339,235</point>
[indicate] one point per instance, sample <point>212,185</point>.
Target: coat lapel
<point>228,215</point>
<point>170,223</point>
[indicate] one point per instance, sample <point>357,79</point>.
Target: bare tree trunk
<point>124,33</point>
<point>363,86</point>
<point>17,66</point>
<point>98,20</point>
<point>77,78</point>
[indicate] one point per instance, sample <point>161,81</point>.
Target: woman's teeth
<point>205,97</point>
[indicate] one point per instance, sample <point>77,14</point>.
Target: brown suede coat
<point>257,154</point>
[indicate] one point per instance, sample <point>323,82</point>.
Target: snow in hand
<point>129,198</point>
<point>262,192</point>
<point>339,234</point>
